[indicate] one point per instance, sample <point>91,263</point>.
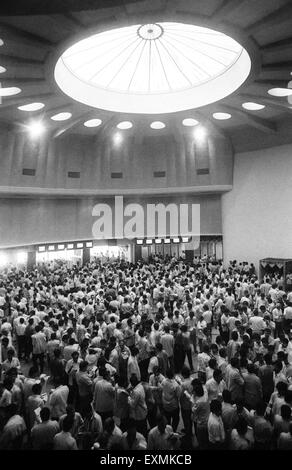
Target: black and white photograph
<point>145,230</point>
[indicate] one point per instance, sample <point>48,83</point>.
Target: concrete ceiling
<point>34,31</point>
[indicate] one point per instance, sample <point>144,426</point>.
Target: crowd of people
<point>156,355</point>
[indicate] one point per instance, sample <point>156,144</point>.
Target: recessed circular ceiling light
<point>61,116</point>
<point>153,68</point>
<point>124,125</point>
<point>190,122</point>
<point>280,92</point>
<point>250,106</point>
<point>221,116</point>
<point>93,123</point>
<point>2,69</point>
<point>9,91</point>
<point>31,107</point>
<point>157,125</point>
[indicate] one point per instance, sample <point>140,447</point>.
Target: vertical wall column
<point>137,253</point>
<point>31,260</point>
<point>86,256</point>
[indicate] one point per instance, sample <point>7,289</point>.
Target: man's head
<point>261,408</point>
<point>75,355</point>
<point>68,423</point>
<point>286,412</point>
<point>241,426</point>
<point>185,372</point>
<point>161,424</point>
<point>281,388</point>
<point>83,366</point>
<point>45,414</point>
<point>10,353</point>
<point>226,395</point>
<point>217,375</point>
<point>36,389</point>
<point>216,407</point>
<point>134,380</point>
<point>234,362</point>
<point>132,428</point>
<point>109,425</point>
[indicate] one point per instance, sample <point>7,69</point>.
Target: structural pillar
<point>86,256</point>
<point>31,260</point>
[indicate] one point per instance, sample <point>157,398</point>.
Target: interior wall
<point>26,221</point>
<point>257,212</point>
<point>92,159</point>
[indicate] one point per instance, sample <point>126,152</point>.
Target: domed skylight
<point>153,68</point>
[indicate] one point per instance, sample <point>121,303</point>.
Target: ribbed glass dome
<point>177,61</point>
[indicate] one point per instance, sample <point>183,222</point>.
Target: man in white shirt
<point>167,341</point>
<point>257,323</point>
<point>137,403</point>
<point>215,386</point>
<point>103,395</point>
<point>39,347</point>
<point>288,317</point>
<point>64,440</point>
<point>20,327</point>
<point>58,400</point>
<point>42,435</point>
<point>216,431</point>
<point>158,437</point>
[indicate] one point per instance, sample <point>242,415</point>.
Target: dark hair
<point>217,373</point>
<point>226,395</point>
<point>83,365</point>
<point>241,426</point>
<point>134,380</point>
<point>268,359</point>
<point>288,396</point>
<point>45,413</point>
<point>215,406</point>
<point>134,351</point>
<point>212,363</point>
<point>198,389</point>
<point>36,389</point>
<point>34,370</point>
<point>234,362</point>
<point>281,388</point>
<point>234,335</point>
<point>251,368</point>
<point>68,423</point>
<point>185,372</point>
<point>286,412</point>
<point>109,425</point>
<point>261,408</point>
<point>222,352</point>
